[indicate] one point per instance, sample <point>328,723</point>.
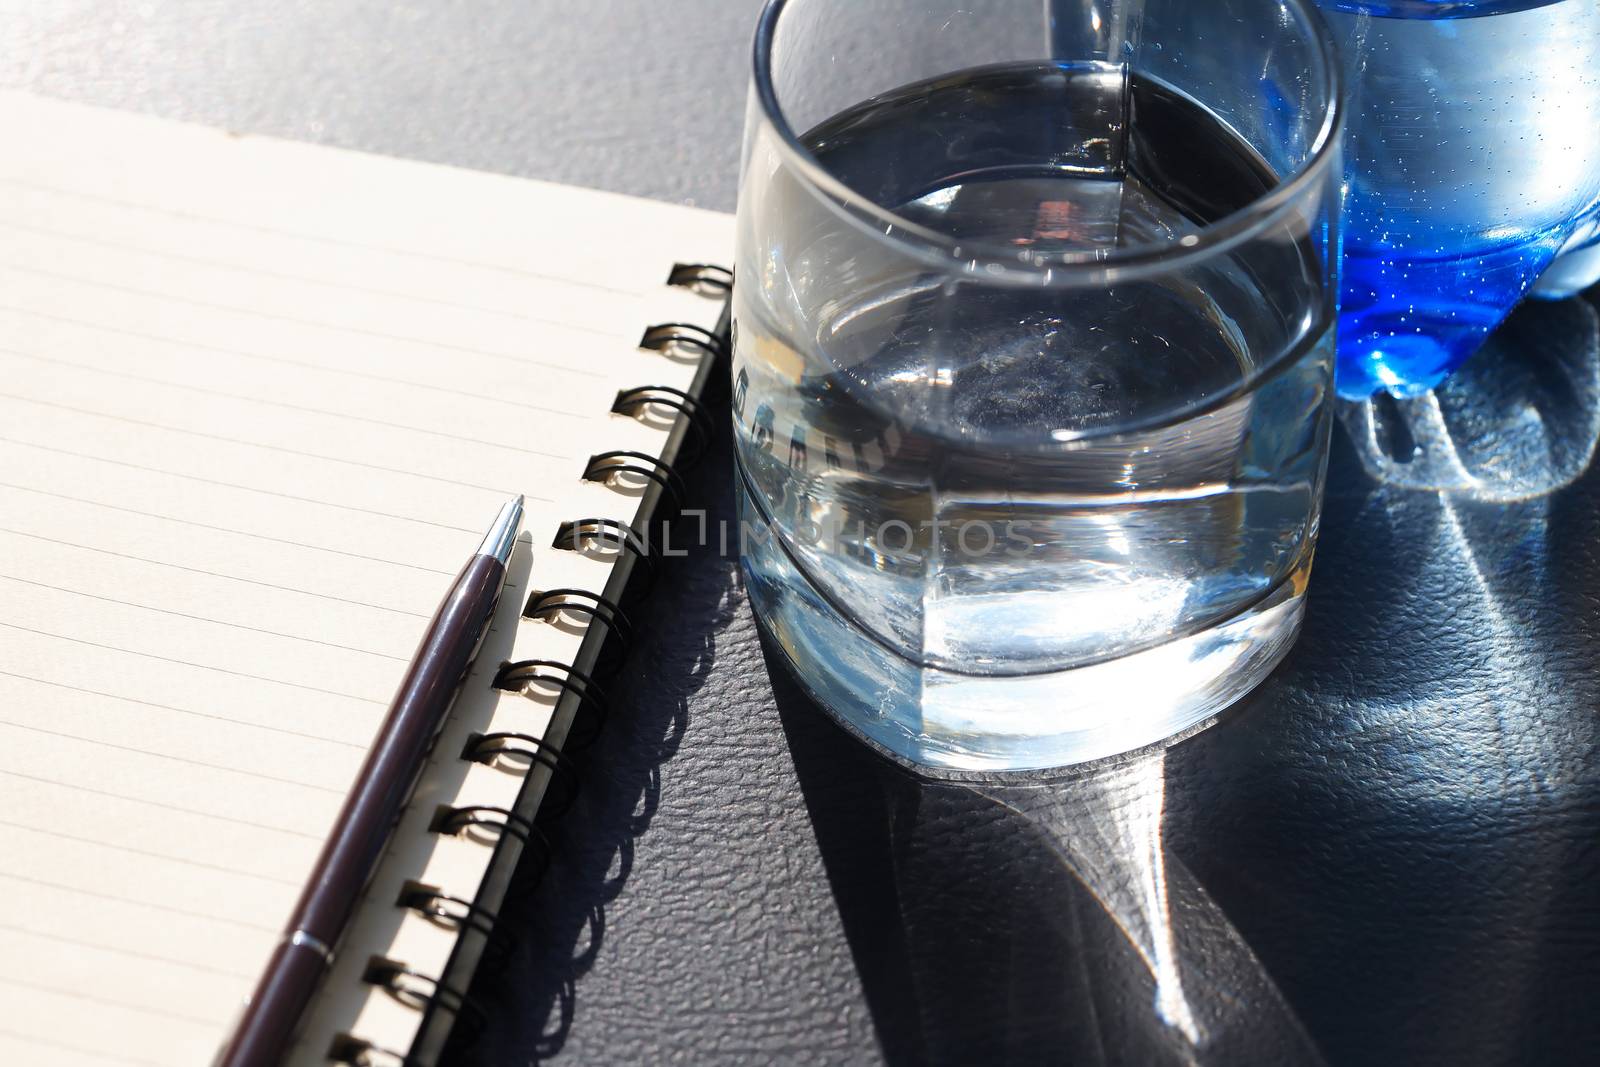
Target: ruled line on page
<point>223,529</point>
<point>212,368</point>
<point>241,723</point>
<point>213,574</point>
<point>92,368</point>
<point>134,902</point>
<point>77,1050</point>
<point>239,353</point>
<point>218,767</point>
<point>109,1002</point>
<point>244,443</point>
<point>274,448</point>
<point>237,309</point>
<point>435,257</point>
<point>144,853</point>
<point>79,787</point>
<point>188,663</point>
<point>310,411</point>
<point>200,618</point>
<point>62,939</point>
<point>301,279</point>
<point>18,442</point>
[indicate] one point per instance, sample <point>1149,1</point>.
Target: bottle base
<point>953,724</point>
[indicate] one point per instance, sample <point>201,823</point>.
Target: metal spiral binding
<point>433,903</point>
<point>552,602</point>
<point>441,907</point>
<point>487,748</point>
<point>706,278</point>
<point>663,337</point>
<point>603,466</point>
<point>453,821</point>
<point>352,1050</point>
<point>632,402</point>
<point>516,676</point>
<point>400,980</point>
<point>574,536</point>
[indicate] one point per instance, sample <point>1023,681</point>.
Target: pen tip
<point>498,542</point>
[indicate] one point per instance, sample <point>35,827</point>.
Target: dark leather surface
<point>636,96</point>
<point>1387,855</point>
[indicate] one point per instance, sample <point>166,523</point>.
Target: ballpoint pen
<point>382,787</point>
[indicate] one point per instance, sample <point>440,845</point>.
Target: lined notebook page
<point>258,402</point>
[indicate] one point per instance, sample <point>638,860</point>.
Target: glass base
<point>944,721</point>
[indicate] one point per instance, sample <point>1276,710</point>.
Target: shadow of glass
<point>1043,921</point>
<point>1380,855</point>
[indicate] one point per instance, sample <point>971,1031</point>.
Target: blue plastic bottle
<point>1473,157</point>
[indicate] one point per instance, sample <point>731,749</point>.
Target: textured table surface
<point>1387,855</point>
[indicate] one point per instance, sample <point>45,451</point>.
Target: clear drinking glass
<point>1032,361</point>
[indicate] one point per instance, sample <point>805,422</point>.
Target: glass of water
<point>1032,361</point>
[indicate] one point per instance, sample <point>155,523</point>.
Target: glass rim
<point>1078,266</point>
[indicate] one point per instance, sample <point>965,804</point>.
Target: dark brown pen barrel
<point>275,1008</point>
<point>361,831</point>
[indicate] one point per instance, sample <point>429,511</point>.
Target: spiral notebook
<point>258,400</point>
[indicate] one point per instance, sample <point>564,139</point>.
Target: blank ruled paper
<point>258,402</point>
